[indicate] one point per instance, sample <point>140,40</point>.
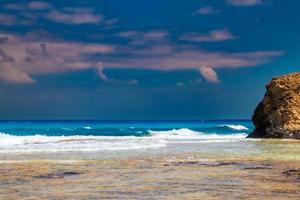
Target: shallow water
<point>181,176</point>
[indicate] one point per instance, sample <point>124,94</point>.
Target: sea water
<point>100,139</point>
<point>28,136</point>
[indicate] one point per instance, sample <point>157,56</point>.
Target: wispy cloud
<point>39,5</point>
<point>245,2</point>
<point>22,57</point>
<point>74,16</point>
<point>12,74</point>
<point>169,56</point>
<point>33,5</point>
<point>140,38</point>
<point>34,10</point>
<point>111,23</point>
<point>7,19</point>
<point>213,36</point>
<point>208,10</point>
<point>128,34</point>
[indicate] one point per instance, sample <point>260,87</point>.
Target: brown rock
<point>278,114</point>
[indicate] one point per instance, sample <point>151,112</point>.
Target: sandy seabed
<point>177,176</point>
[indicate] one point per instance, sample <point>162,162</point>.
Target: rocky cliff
<point>278,114</point>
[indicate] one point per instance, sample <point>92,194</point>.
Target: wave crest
<point>175,133</point>
<point>154,139</point>
<point>235,127</point>
<point>188,134</point>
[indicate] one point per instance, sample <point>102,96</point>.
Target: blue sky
<point>143,59</point>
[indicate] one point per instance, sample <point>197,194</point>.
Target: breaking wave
<point>235,127</point>
<point>75,143</point>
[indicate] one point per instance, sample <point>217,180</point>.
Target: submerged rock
<point>278,114</point>
<point>295,173</point>
<point>57,175</point>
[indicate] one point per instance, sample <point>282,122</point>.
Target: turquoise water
<point>121,128</point>
<point>66,140</point>
<point>21,137</point>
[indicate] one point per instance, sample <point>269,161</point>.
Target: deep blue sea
<point>85,136</point>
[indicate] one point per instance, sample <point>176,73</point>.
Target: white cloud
<point>20,58</point>
<point>26,57</point>
<point>128,34</point>
<point>244,2</point>
<point>209,74</point>
<point>33,5</point>
<point>208,10</point>
<point>140,38</point>
<point>156,34</point>
<point>74,17</point>
<point>67,15</point>
<point>12,74</point>
<point>99,68</point>
<point>7,19</point>
<point>182,57</point>
<point>213,36</point>
<point>38,5</point>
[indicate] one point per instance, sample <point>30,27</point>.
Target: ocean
<point>65,140</point>
<point>102,138</point>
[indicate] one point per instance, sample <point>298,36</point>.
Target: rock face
<point>278,114</point>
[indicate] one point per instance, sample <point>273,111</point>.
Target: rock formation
<point>278,114</point>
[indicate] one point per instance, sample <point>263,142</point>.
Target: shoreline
<point>251,149</point>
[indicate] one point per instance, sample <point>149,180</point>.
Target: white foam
<point>77,143</point>
<point>40,143</point>
<point>235,127</point>
<point>183,133</point>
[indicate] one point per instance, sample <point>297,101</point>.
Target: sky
<point>143,59</point>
